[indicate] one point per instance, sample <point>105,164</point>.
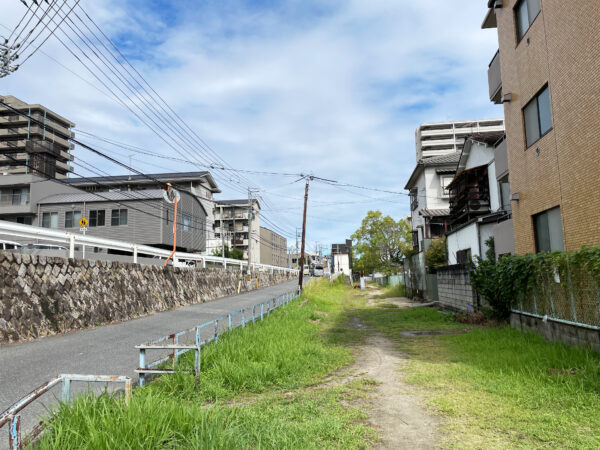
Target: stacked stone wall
<point>41,296</point>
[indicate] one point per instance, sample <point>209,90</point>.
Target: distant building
<point>201,185</point>
<point>273,248</point>
<point>141,216</point>
<point>341,258</point>
<point>443,138</point>
<point>123,207</point>
<point>232,225</point>
<point>27,147</point>
<point>545,75</point>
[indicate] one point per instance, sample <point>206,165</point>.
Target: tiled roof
<point>451,158</point>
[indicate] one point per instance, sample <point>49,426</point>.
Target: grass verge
<point>255,390</point>
<point>392,291</point>
<point>500,388</point>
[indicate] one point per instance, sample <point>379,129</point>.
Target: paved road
<point>106,350</point>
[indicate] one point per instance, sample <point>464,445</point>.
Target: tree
<point>435,256</point>
<point>234,253</point>
<point>381,243</point>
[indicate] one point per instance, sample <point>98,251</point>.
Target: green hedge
<point>562,285</point>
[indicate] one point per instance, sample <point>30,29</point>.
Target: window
<point>50,220</point>
<point>525,12</point>
<point>118,217</point>
<point>414,200</point>
<point>72,218</point>
<point>444,182</point>
<point>25,220</point>
<point>504,189</point>
<point>547,228</point>
<point>97,218</point>
<point>187,222</point>
<point>463,256</point>
<point>537,116</point>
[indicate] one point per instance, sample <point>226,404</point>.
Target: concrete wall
<point>557,331</point>
<point>42,296</point>
<point>454,289</point>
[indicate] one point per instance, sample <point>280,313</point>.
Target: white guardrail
<point>70,240</point>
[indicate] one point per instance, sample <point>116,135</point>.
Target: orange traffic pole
<point>174,233</point>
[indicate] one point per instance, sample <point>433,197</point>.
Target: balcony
<point>501,159</point>
<point>495,79</point>
<point>469,195</point>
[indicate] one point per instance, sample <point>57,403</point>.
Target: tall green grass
<point>279,358</point>
<point>500,388</point>
<point>393,291</point>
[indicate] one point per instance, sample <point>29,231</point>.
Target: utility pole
<point>250,208</point>
<point>222,228</point>
<point>303,235</point>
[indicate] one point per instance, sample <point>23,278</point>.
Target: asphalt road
<point>106,350</point>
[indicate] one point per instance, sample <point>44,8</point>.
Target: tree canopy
<point>234,253</point>
<point>381,243</point>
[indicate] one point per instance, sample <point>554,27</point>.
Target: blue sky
<point>332,88</point>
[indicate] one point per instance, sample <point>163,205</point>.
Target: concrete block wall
<point>557,331</point>
<point>41,296</point>
<point>454,289</point>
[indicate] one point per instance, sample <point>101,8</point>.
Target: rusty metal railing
<point>171,342</point>
<point>13,417</point>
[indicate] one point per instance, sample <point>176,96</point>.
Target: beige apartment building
<point>273,248</point>
<point>36,144</point>
<point>233,225</point>
<point>546,76</point>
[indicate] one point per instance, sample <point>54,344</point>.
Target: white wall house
<point>430,208</point>
<point>478,204</point>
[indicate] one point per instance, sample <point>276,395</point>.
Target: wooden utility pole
<point>303,236</point>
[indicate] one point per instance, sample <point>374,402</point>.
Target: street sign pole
<point>83,222</point>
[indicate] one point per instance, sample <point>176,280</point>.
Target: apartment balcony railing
<point>495,79</point>
<point>14,199</point>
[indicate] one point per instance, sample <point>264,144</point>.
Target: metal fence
<point>570,296</point>
<point>170,348</point>
<point>71,240</point>
<point>13,418</point>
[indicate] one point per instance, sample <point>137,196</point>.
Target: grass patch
<point>500,388</point>
<point>392,291</point>
<point>391,320</point>
<point>253,392</point>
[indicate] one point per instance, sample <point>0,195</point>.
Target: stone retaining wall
<point>42,296</point>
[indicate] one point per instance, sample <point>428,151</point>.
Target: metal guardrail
<point>171,342</point>
<point>12,416</point>
<point>72,239</point>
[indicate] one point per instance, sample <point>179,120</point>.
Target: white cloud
<point>338,95</point>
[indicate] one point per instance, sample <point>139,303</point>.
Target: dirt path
<point>395,411</point>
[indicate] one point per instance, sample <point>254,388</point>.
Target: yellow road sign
<point>83,222</point>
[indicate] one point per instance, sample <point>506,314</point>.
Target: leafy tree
<point>435,256</point>
<point>234,253</point>
<point>381,243</point>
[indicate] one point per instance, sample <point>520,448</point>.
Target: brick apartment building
<point>546,75</point>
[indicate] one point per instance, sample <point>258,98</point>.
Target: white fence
<point>180,259</point>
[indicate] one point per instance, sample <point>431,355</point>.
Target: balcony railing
<point>495,79</point>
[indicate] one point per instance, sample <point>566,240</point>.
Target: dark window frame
<point>49,214</point>
<point>516,19</point>
<point>72,223</point>
<point>95,215</point>
<point>536,98</point>
<point>537,235</point>
<point>120,214</point>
